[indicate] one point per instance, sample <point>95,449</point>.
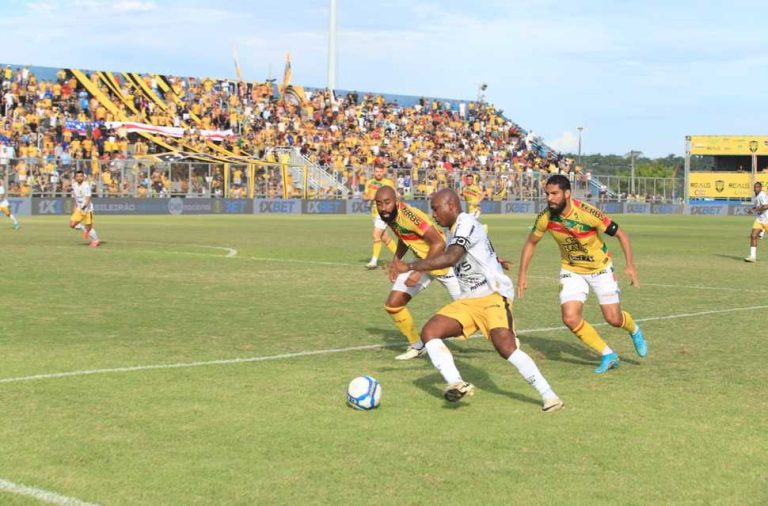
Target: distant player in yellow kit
<point>379,227</point>
<point>576,227</point>
<point>415,232</point>
<point>5,208</point>
<point>82,215</point>
<point>473,195</point>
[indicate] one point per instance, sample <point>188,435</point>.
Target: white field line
<point>550,278</point>
<point>40,494</point>
<point>231,252</point>
<point>330,351</point>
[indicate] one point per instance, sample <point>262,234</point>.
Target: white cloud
<point>134,5</point>
<point>568,142</point>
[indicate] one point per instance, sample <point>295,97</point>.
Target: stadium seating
<point>146,135</point>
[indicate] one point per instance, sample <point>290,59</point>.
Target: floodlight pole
<point>332,46</point>
<point>579,157</point>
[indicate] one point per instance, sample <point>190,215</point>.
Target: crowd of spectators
<point>50,128</point>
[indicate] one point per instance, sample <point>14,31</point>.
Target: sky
<point>636,75</point>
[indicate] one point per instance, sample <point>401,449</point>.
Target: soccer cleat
<point>610,361</point>
<point>85,234</point>
<point>551,405</point>
<point>638,339</point>
<point>95,244</point>
<point>371,265</point>
<point>411,353</point>
<point>455,391</point>
<point>750,259</point>
<point>16,226</point>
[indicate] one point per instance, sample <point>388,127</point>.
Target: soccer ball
<point>364,393</point>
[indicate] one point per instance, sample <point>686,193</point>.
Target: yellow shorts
<point>759,226</point>
<point>5,210</point>
<point>483,314</point>
<point>79,216</point>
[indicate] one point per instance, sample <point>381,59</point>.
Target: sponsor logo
<point>235,206</point>
<point>277,206</point>
<point>708,210</point>
<point>518,207</point>
<point>324,206</point>
<point>50,207</point>
<point>753,145</point>
<point>359,207</point>
<point>175,206</point>
<point>719,185</point>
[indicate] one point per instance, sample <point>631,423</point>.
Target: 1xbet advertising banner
<point>276,206</point>
<point>323,207</point>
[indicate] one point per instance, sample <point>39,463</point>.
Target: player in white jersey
<point>5,207</point>
<point>484,303</point>
<point>82,215</point>
<point>760,225</point>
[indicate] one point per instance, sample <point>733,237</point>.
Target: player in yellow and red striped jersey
<point>473,195</point>
<point>379,227</point>
<point>576,227</point>
<point>415,231</point>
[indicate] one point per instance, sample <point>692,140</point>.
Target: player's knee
<point>571,320</point>
<point>615,320</point>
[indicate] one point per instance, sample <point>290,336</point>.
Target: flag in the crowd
<point>287,72</point>
<point>237,64</point>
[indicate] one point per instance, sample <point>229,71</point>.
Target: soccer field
<point>204,360</point>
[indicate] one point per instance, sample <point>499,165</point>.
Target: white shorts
<point>378,223</point>
<point>576,286</point>
<point>449,281</point>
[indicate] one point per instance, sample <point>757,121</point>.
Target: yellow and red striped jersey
<point>473,195</point>
<point>410,225</point>
<point>578,235</point>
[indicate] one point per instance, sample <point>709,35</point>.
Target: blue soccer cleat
<point>641,347</point>
<point>16,226</point>
<point>610,361</point>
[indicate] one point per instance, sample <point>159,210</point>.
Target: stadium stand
<point>153,135</point>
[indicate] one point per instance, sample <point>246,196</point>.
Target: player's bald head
<point>446,207</point>
<point>385,192</point>
<point>446,197</point>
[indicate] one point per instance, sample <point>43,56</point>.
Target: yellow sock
<point>404,321</point>
<point>376,249</point>
<point>589,336</point>
<point>629,324</point>
<point>392,246</point>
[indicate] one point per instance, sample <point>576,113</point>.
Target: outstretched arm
<point>525,259</point>
<point>447,258</point>
<point>626,246</point>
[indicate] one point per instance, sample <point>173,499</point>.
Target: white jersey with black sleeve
<point>760,200</point>
<point>478,271</point>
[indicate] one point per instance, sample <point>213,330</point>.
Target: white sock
<point>442,359</point>
<point>528,370</point>
<point>374,260</point>
<point>418,345</point>
<point>79,226</point>
<point>13,219</point>
<point>92,234</point>
<point>607,350</point>
<point>753,251</point>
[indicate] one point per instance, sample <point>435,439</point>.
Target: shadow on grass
<point>730,257</point>
<point>433,384</point>
<point>553,349</point>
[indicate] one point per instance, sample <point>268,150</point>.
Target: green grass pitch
<point>686,425</point>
